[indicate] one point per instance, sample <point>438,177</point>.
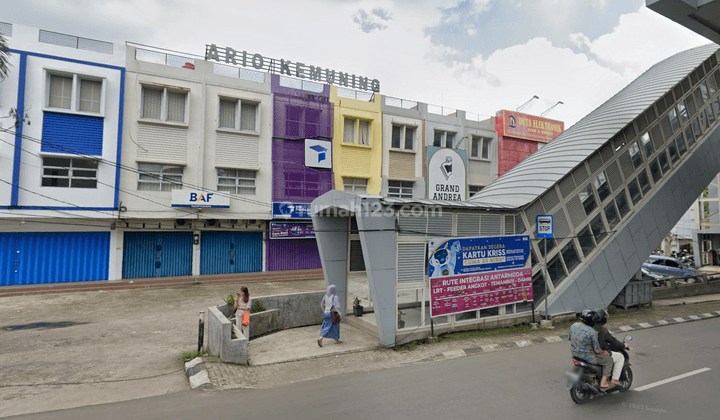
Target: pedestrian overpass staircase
<point>618,180</point>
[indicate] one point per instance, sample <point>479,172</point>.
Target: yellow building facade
<point>357,142</point>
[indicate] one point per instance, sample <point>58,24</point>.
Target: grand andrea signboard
<point>467,274</point>
<point>446,174</point>
<point>287,67</point>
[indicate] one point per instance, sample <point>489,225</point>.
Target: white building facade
<point>60,140</point>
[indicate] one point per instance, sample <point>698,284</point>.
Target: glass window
<point>634,189</point>
<point>683,112</point>
<point>663,161</point>
<point>403,137</point>
<point>709,114</point>
<point>248,116</point>
<point>69,173</point>
<point>570,256</point>
<point>711,86</point>
<point>357,185</point>
<point>689,135</point>
<point>635,156</point>
<point>90,95</point>
<point>349,130</point>
<point>602,187</point>
<point>588,199</point>
<point>228,112</point>
<point>444,139</point>
<point>611,215</point>
<point>598,228</point>
<point>696,129</point>
<point>236,181</point>
<point>674,122</point>
<point>486,148</point>
<point>704,92</point>
<point>647,145</point>
<point>157,177</point>
<point>716,106</point>
<point>542,243</point>
<point>400,189</point>
<point>60,92</point>
<point>474,189</point>
<point>655,170</point>
<point>622,204</point>
<point>644,182</point>
<point>585,238</point>
<point>555,269</point>
<point>680,141</point>
<point>364,132</point>
<point>672,149</point>
<point>480,147</point>
<point>152,104</point>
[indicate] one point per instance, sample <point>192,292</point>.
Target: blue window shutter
<point>67,133</point>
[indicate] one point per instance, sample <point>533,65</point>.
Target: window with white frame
<point>480,147</point>
<point>69,173</point>
<point>356,131</point>
<point>163,104</point>
<point>237,114</point>
<point>403,137</point>
<point>444,139</point>
<point>236,181</point>
<point>358,185</point>
<point>400,189</point>
<point>474,189</point>
<point>158,177</point>
<point>76,93</point>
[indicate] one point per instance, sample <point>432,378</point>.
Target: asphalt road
<point>517,384</point>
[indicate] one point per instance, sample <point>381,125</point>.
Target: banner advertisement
<point>467,274</point>
<point>526,126</point>
<point>279,230</point>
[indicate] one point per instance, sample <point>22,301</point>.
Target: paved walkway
<point>308,361</point>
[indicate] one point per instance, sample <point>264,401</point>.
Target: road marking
<point>674,378</point>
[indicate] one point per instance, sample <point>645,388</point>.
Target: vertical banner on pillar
<point>468,274</point>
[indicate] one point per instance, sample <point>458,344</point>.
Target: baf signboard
<point>200,199</point>
<point>467,274</point>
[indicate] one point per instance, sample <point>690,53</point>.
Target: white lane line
<point>674,378</point>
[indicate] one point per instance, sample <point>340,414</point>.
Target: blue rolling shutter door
<point>157,254</point>
<point>230,252</point>
<point>53,257</point>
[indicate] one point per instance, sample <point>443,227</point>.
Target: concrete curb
<point>197,374</point>
<point>555,338</point>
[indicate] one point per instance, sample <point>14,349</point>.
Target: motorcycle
<point>584,380</point>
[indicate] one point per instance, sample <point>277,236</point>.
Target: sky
<point>480,56</point>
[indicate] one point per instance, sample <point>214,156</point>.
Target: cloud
<point>372,21</point>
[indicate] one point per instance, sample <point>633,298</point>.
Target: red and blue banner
<point>468,274</point>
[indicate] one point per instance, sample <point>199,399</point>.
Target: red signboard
<point>528,127</point>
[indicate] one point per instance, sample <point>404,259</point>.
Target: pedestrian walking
<point>330,303</point>
<point>242,319</point>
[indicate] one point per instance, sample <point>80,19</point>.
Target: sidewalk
<point>292,356</point>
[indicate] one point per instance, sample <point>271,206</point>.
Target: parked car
<point>669,267</point>
<point>656,278</point>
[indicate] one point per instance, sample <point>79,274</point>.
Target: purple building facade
<point>301,110</point>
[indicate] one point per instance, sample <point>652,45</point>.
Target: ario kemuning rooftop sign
<point>287,67</point>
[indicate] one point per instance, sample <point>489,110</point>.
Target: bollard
<point>201,332</point>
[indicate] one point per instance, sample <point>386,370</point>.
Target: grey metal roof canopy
<point>541,170</point>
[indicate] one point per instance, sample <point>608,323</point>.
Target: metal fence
<point>79,43</point>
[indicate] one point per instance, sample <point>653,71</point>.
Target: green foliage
<point>257,307</point>
<point>4,57</point>
<point>356,302</point>
<point>230,300</point>
<point>189,355</point>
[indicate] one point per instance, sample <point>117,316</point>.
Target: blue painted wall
<point>65,133</point>
<point>53,257</point>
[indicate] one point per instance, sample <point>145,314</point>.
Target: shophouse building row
<point>177,165</point>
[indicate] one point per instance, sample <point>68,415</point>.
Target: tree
<point>4,57</point>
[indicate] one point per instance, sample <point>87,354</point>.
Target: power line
<point>128,168</point>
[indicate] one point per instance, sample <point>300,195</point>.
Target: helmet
<point>587,317</point>
<point>601,316</point>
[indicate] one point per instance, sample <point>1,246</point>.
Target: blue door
<point>53,257</point>
<point>230,252</point>
<point>157,254</point>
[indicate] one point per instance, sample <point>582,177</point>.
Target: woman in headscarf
<point>329,329</point>
<point>241,302</point>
